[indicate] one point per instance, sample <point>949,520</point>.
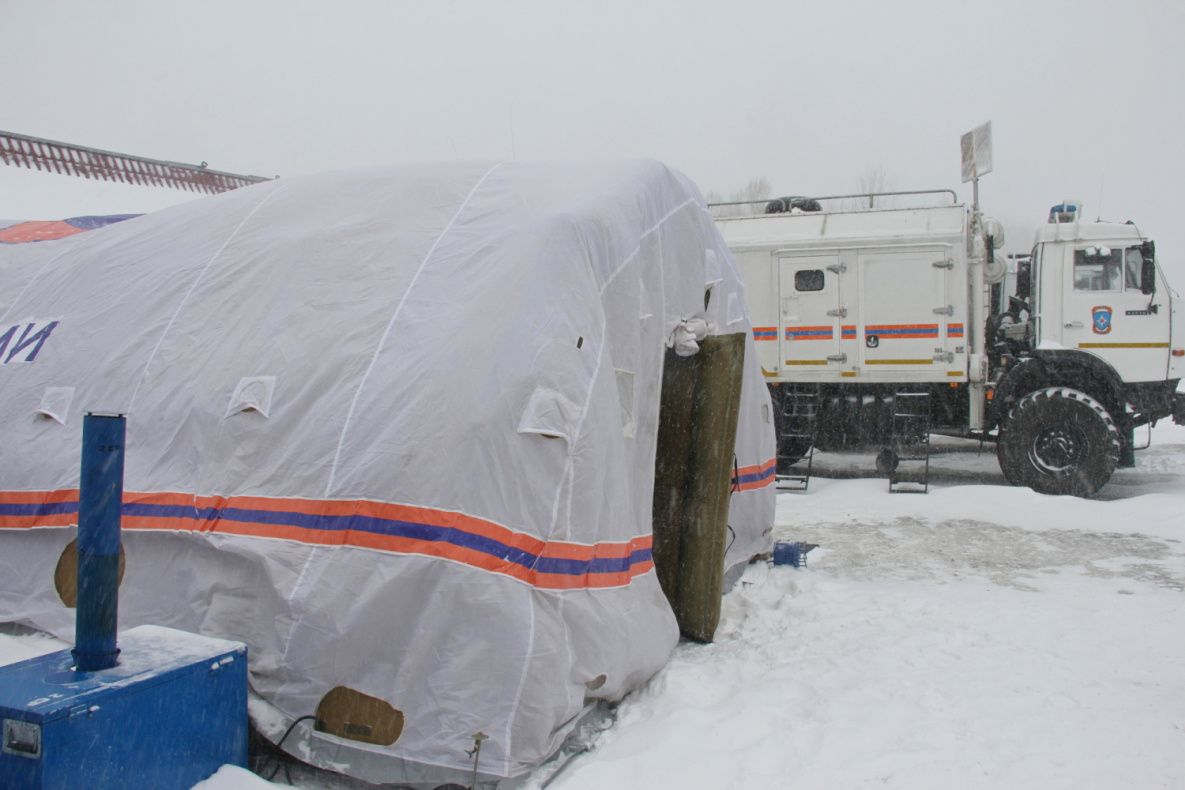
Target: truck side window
<point>1098,269</point>
<point>1133,267</point>
<point>808,280</point>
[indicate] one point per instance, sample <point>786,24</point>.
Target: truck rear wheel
<point>886,462</point>
<point>1059,441</point>
<point>791,450</point>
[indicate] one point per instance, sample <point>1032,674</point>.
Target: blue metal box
<point>165,717</point>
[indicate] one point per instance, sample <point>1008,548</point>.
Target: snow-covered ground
<point>979,636</point>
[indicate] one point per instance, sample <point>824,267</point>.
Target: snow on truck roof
<point>1088,231</point>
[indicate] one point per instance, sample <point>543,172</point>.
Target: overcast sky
<point>1085,98</point>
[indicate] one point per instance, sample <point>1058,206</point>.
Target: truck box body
<point>872,296</point>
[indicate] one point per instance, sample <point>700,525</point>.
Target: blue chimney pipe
<point>100,499</point>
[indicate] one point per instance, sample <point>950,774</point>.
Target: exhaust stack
<point>100,499</point>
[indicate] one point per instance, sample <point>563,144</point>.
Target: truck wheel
<point>886,462</point>
<point>1059,441</point>
<point>790,452</point>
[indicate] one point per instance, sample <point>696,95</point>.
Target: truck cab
<point>1098,290</point>
<point>1092,314</point>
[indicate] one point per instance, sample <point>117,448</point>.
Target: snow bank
<point>976,637</point>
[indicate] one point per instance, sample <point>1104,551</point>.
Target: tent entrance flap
<point>692,478</point>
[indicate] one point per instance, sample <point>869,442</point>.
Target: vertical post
<point>100,499</point>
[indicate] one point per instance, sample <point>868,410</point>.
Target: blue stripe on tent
<point>39,509</point>
<point>754,477</point>
<point>399,529</point>
<point>93,222</point>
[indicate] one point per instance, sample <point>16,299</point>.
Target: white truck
<point>854,309</point>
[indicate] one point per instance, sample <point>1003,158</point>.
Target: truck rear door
<point>908,321</point>
<point>809,332</point>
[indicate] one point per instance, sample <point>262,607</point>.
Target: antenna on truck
<point>1102,180</point>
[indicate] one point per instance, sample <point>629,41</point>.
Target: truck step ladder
<point>910,442</point>
<point>800,409</point>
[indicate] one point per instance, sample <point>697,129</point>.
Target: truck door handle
<point>1074,325</point>
<point>840,358</point>
<point>841,313</point>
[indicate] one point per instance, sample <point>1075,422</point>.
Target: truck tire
<point>791,450</point>
<point>886,462</point>
<point>1059,441</point>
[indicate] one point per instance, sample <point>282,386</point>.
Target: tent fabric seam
<point>193,287</point>
<point>629,258</point>
<point>522,683</point>
<point>29,284</point>
<point>398,309</point>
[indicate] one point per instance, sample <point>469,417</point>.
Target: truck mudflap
<point>1179,408</point>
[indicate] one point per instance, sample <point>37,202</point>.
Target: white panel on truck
<point>810,325</point>
<point>906,314</point>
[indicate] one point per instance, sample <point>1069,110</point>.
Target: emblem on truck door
<point>1100,319</point>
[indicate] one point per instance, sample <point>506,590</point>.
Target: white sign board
<point>977,152</point>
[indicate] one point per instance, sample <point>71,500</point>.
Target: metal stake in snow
<point>100,499</point>
<point>476,752</point>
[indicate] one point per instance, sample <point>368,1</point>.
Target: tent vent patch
<point>55,403</point>
<point>253,394</point>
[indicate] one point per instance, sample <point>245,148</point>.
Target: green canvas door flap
<point>697,428</point>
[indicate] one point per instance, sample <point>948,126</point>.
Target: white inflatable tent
<point>393,428</point>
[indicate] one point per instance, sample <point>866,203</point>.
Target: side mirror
<point>1148,270</point>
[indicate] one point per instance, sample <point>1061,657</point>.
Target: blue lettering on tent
<point>28,345</point>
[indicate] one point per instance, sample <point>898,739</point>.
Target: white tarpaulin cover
<point>392,428</point>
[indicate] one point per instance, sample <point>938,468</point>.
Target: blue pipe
<point>100,500</point>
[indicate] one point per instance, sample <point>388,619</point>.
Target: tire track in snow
<point>914,548</point>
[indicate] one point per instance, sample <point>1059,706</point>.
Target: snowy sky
<point>1084,97</point>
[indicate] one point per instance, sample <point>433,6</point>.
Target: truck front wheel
<point>1059,441</point>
